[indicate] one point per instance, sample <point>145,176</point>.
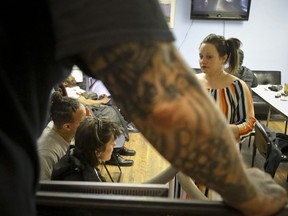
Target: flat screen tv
<point>220,9</point>
<point>154,190</point>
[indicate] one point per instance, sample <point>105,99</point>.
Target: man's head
<point>241,57</point>
<point>66,113</point>
<point>70,82</point>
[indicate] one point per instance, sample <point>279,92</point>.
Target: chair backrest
<point>262,140</point>
<point>197,70</point>
<point>268,77</point>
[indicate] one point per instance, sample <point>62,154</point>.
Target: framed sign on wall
<point>168,7</point>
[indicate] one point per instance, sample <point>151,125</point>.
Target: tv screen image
<point>220,9</point>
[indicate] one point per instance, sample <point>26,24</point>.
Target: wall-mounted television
<point>220,9</point>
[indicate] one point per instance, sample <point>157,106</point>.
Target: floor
<point>147,162</point>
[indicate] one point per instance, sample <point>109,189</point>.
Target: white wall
<point>264,35</point>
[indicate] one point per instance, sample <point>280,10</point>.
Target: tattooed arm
<point>154,87</point>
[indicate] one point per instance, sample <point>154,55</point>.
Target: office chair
<point>263,143</point>
<point>251,134</point>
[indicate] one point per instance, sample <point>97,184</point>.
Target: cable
<point>224,28</point>
<point>185,35</point>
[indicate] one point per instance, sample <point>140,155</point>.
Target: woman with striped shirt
<point>230,93</point>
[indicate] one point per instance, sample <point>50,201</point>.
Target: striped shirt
<point>236,103</point>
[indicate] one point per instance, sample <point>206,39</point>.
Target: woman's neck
<point>216,76</point>
<point>218,80</point>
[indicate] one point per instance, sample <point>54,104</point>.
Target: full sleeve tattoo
<point>155,88</point>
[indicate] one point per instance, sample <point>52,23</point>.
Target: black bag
<point>66,165</point>
<point>111,112</point>
<point>279,150</point>
<point>281,141</point>
<point>90,95</point>
<point>275,88</point>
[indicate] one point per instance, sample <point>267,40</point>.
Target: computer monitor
<point>62,198</point>
<point>83,204</point>
<point>151,190</point>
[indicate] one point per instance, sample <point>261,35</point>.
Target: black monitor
<point>220,9</point>
<point>83,204</point>
<point>152,190</point>
<point>62,198</point>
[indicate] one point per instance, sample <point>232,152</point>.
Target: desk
<point>277,104</point>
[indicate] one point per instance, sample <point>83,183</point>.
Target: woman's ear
<point>98,153</point>
<point>224,58</point>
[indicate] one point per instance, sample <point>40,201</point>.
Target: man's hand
<point>104,99</point>
<point>235,131</point>
<point>270,196</point>
<point>88,112</point>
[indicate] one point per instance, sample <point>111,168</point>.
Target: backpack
<point>111,112</point>
<point>66,165</point>
<point>279,150</point>
<point>281,142</point>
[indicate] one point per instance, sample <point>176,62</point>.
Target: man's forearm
<point>161,95</point>
<point>85,101</point>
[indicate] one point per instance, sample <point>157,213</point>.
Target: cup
<point>286,88</point>
<point>284,95</point>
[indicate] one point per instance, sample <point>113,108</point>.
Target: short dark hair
<point>62,108</point>
<point>94,134</point>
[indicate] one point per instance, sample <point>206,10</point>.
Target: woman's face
<point>106,155</point>
<point>209,59</point>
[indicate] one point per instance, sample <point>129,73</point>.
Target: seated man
<point>245,73</point>
<point>97,86</point>
<point>66,114</point>
<point>75,91</point>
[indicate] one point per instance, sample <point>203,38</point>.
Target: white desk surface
<point>269,96</point>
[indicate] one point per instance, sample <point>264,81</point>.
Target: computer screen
<point>62,198</point>
<point>152,190</point>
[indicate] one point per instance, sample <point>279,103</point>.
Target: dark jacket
<point>277,153</point>
<point>248,76</point>
<point>72,167</point>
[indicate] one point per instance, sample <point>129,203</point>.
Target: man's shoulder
<point>47,135</point>
<point>246,70</point>
<point>50,141</point>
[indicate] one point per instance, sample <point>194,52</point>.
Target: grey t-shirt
<point>51,148</point>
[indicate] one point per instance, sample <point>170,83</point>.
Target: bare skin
<point>177,116</point>
<point>85,101</point>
